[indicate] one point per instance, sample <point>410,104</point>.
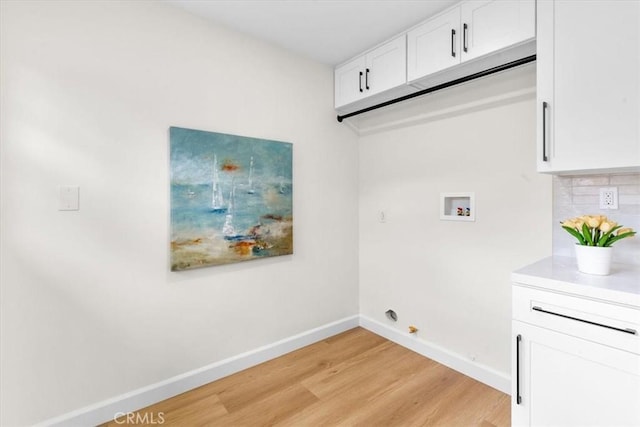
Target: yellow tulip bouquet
<point>596,230</point>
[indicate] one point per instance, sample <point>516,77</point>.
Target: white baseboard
<point>477,371</point>
<point>105,411</point>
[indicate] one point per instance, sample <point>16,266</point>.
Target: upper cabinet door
<point>588,86</point>
<point>434,45</point>
<point>386,66</point>
<point>544,85</point>
<point>490,25</point>
<point>349,82</point>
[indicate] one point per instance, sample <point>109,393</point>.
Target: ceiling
<point>328,31</point>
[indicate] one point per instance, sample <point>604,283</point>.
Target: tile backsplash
<point>580,195</point>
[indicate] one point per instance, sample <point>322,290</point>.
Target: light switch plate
<point>69,198</point>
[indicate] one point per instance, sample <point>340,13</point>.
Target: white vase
<point>594,259</point>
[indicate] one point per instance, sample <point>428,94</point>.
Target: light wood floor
<point>353,379</point>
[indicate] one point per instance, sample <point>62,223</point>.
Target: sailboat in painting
<point>217,199</point>
<point>251,189</point>
<point>228,229</point>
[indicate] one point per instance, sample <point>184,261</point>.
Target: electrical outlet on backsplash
<point>580,195</point>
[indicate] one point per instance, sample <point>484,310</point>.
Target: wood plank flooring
<point>355,378</point>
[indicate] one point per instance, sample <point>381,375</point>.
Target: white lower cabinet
<point>567,381</point>
<point>575,359</point>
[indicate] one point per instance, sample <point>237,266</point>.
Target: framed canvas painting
<point>231,198</point>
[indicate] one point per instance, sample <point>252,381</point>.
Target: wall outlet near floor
<point>609,198</point>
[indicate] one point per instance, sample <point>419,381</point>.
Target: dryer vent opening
<point>391,315</point>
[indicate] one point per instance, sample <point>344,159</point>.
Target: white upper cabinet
<point>588,79</point>
<point>434,45</point>
<point>490,25</point>
<point>379,70</point>
<point>349,82</point>
<point>386,66</point>
<point>470,37</point>
<point>470,30</point>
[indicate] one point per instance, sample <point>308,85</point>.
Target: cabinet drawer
<point>609,324</point>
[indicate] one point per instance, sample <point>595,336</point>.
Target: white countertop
<point>560,274</point>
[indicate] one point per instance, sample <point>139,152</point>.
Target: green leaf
<point>614,239</point>
<point>587,235</point>
<point>575,234</point>
<point>603,239</point>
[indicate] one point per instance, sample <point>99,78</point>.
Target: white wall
<point>89,307</point>
<point>449,278</point>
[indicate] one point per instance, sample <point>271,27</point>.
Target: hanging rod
<point>470,77</point>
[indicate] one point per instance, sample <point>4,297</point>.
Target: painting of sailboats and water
<point>231,198</point>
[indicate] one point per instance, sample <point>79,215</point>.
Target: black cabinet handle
<point>366,80</point>
<point>464,37</point>
<point>360,81</point>
<point>625,330</point>
<point>453,38</point>
<point>518,397</point>
<point>544,132</point>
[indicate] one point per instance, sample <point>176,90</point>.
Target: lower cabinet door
<point>561,380</point>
